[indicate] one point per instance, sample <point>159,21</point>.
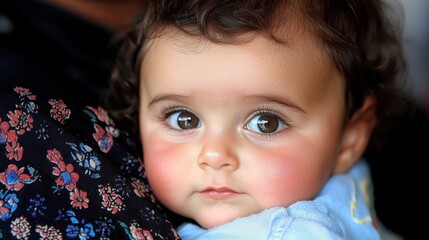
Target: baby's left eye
<point>183,120</point>
<point>265,123</point>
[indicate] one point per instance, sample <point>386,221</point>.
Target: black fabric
<point>66,171</point>
<point>54,52</point>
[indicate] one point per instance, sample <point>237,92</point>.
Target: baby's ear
<point>356,135</point>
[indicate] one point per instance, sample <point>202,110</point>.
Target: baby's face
<point>229,130</point>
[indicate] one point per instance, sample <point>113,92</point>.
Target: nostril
<point>204,165</point>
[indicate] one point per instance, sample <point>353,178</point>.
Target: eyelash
<point>283,120</point>
<point>168,112</point>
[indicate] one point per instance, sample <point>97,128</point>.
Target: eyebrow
<point>168,97</point>
<point>283,101</point>
<point>260,98</point>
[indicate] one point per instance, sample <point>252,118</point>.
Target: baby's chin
<point>211,220</point>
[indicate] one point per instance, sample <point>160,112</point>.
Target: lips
<point>219,193</point>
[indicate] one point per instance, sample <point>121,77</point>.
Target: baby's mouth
<point>219,193</point>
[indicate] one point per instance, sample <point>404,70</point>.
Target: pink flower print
<point>25,92</point>
<point>20,228</point>
<point>112,130</point>
<point>6,134</point>
<point>139,188</point>
<point>67,177</point>
<point>12,137</point>
<point>13,178</point>
<point>59,110</point>
<point>54,156</point>
<point>21,121</point>
<point>112,201</point>
<point>102,115</point>
<point>50,232</point>
<point>4,130</point>
<point>139,233</point>
<point>79,199</point>
<point>14,151</point>
<point>103,138</point>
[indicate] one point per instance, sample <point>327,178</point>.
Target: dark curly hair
<point>358,36</point>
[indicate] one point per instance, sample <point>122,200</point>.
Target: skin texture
<point>224,167</point>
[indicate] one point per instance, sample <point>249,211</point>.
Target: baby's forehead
<point>174,48</point>
<point>292,38</point>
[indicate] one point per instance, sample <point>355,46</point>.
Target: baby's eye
<point>265,123</point>
<point>182,120</point>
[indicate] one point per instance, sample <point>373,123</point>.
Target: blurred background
<point>400,172</point>
<point>416,43</point>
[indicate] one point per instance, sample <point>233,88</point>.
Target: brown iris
<point>267,123</point>
<point>187,120</point>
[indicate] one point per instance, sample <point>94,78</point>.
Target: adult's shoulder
<point>66,170</point>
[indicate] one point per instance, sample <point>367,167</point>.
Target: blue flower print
<point>86,158</point>
<point>36,206</point>
<point>8,205</point>
<point>79,229</point>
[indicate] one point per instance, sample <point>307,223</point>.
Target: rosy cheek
<point>160,166</point>
<point>292,169</point>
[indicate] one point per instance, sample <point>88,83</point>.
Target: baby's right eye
<point>183,120</point>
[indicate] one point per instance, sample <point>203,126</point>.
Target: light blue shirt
<point>342,210</point>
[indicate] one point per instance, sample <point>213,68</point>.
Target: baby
<point>259,111</point>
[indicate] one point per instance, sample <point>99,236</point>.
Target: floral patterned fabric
<point>67,173</point>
